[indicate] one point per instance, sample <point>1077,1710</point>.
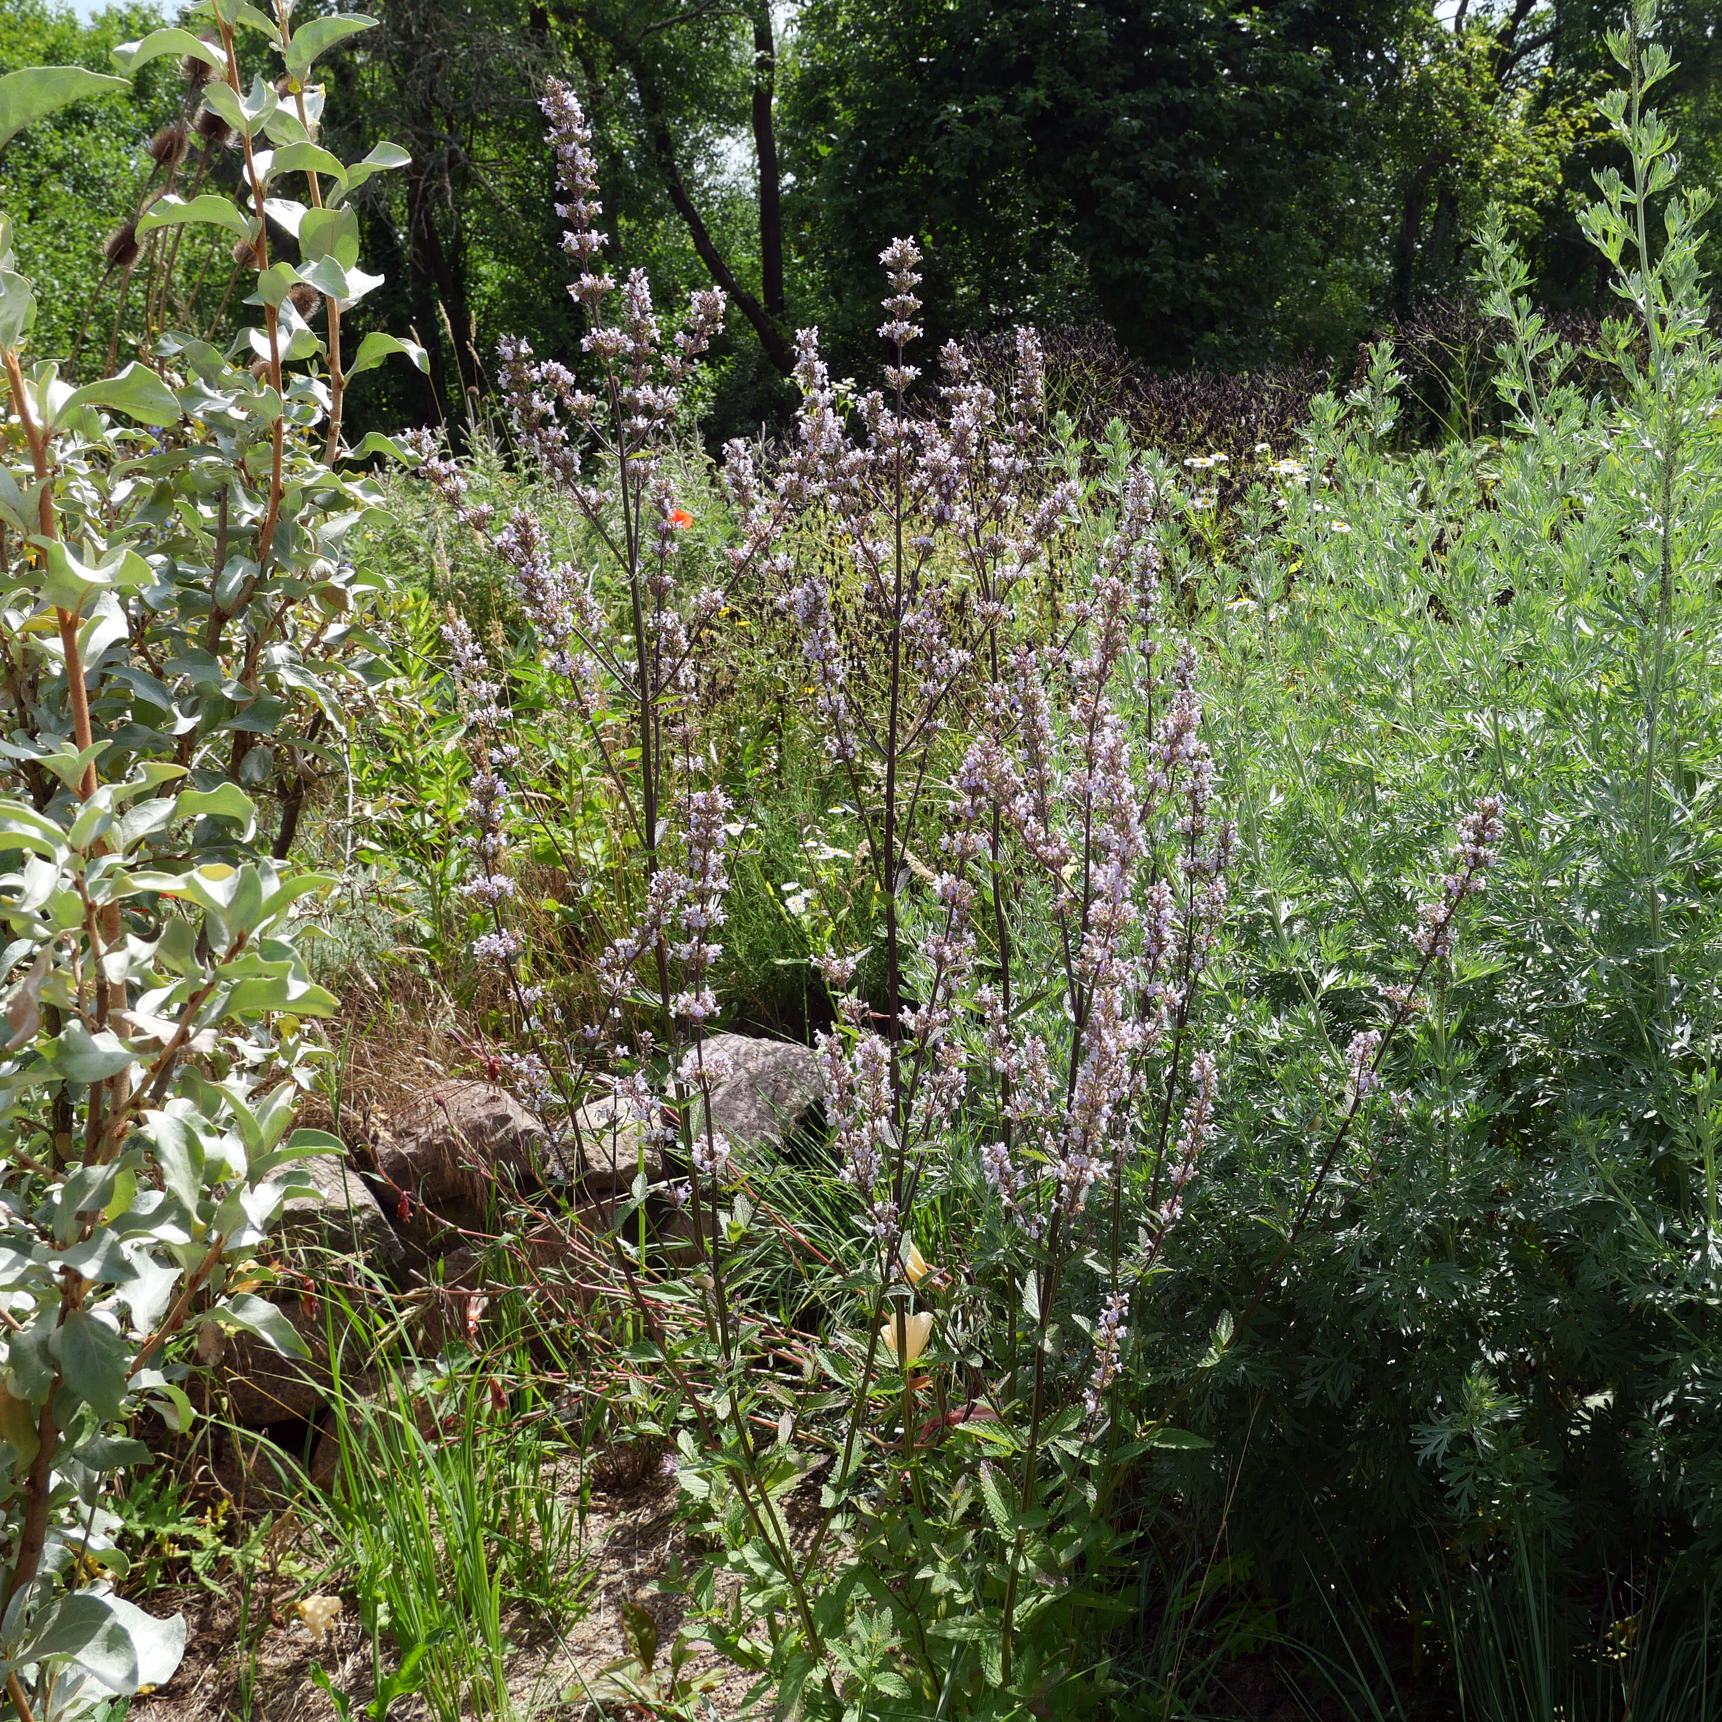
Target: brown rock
<point>335,1237</point>
<point>460,1141</point>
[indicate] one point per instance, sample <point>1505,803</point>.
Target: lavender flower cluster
<point>1082,801</point>
<point>1479,832</point>
<point>1110,1332</point>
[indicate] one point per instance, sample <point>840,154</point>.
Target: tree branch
<point>771,337</point>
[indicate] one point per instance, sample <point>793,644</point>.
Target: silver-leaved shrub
<point>178,631</point>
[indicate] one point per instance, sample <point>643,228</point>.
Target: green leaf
<point>69,582</point>
<point>120,1647</point>
<point>210,886</point>
<point>286,212</point>
<point>81,1056</point>
<point>276,282</point>
<point>246,114</point>
<point>307,158</point>
<point>257,1315</point>
<point>382,158</point>
<point>211,209</point>
<point>174,1406</point>
<point>640,1632</point>
<point>225,801</point>
<point>377,346</point>
<point>319,35</point>
<point>179,1148</point>
<point>1178,1440</point>
<point>18,1428</point>
<point>136,391</point>
<point>998,1508</point>
<point>306,1143</point>
<point>130,55</point>
<point>17,307</point>
<point>69,764</point>
<point>94,1358</point>
<point>328,277</point>
<point>301,1145</point>
<point>23,827</point>
<point>257,19</point>
<point>330,233</point>
<point>38,91</point>
<point>375,442</point>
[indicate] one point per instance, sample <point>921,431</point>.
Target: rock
<point>608,1138</point>
<point>452,1147</point>
<point>259,1385</point>
<point>770,1092</point>
<point>341,1218</point>
<point>334,1236</point>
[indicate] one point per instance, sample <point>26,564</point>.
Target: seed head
<point>167,148</point>
<point>121,246</point>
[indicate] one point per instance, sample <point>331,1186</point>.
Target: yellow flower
<point>917,1330</point>
<point>318,1613</point>
<point>914,1263</point>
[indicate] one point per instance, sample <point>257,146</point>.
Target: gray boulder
<point>607,1138</point>
<point>771,1091</point>
<point>341,1218</point>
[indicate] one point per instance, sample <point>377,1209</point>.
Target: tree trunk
<point>1445,245</point>
<point>1410,229</point>
<point>765,152</point>
<point>439,295</point>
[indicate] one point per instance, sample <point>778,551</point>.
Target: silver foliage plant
<point>998,675</point>
<point>178,633</point>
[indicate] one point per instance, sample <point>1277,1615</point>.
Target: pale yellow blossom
<point>318,1614</point>
<point>917,1330</point>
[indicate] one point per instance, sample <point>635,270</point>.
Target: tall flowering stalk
<point>1073,797</point>
<point>1105,792</point>
<point>620,626</point>
<point>942,520</point>
<point>1080,846</point>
